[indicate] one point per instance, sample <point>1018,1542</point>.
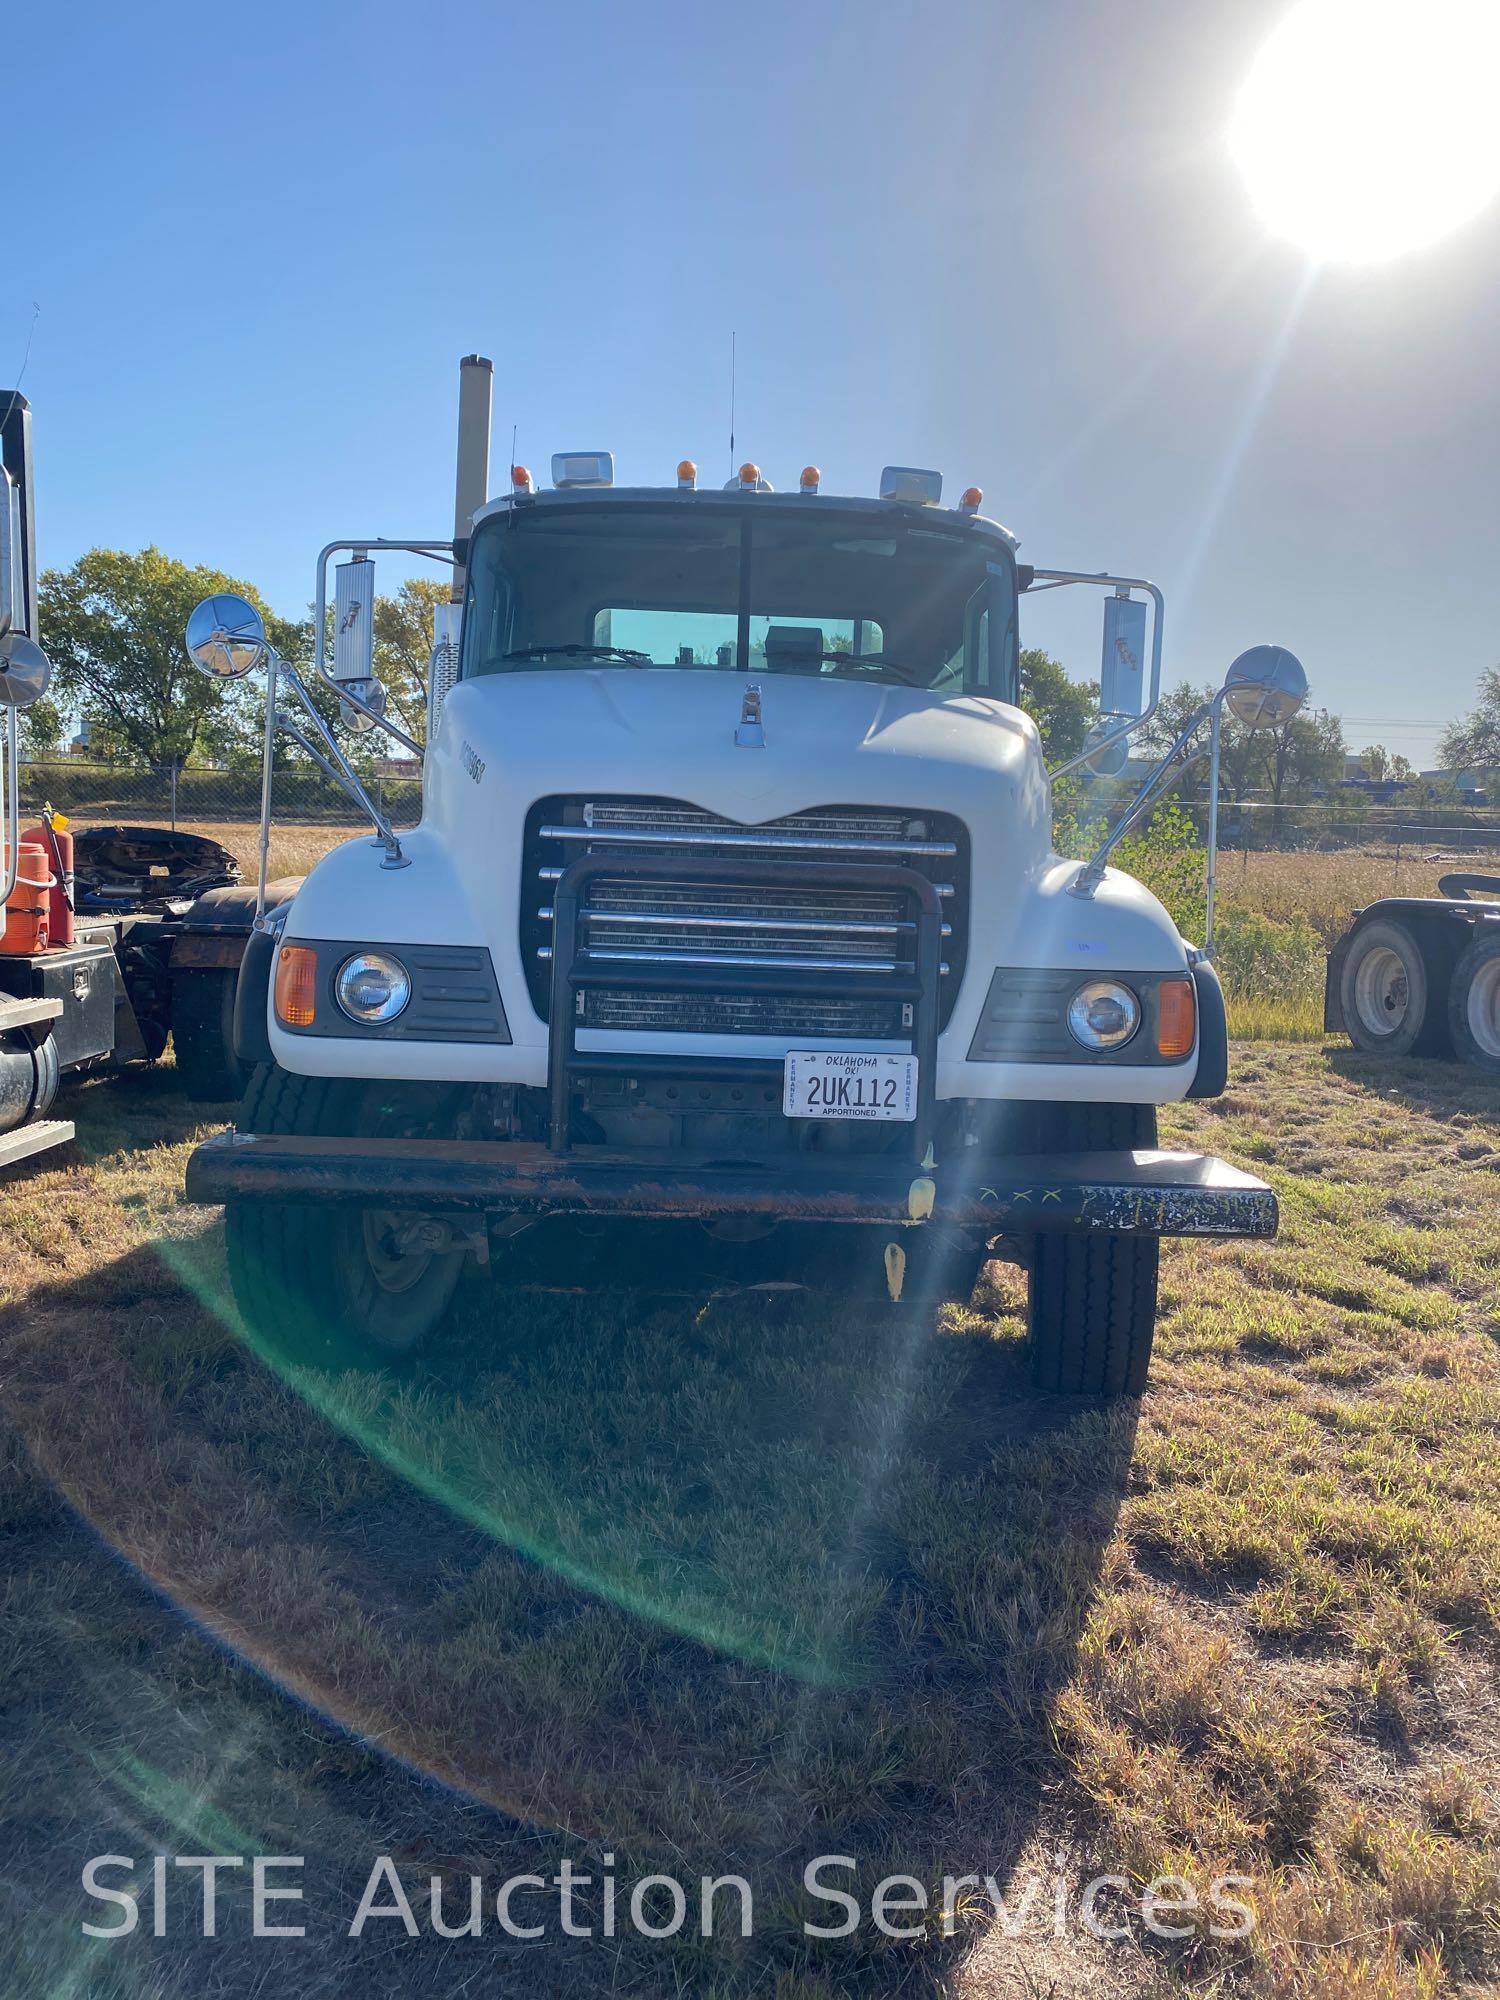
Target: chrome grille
<point>776,925</point>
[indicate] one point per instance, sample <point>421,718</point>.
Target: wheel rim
<point>1483,1010</point>
<point>1381,995</point>
<point>393,1269</point>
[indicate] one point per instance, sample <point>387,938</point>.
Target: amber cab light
<point>749,474</point>
<point>1176,1018</point>
<point>520,478</point>
<point>296,985</point>
<point>810,478</point>
<point>687,474</point>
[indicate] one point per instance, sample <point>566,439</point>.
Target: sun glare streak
<point>1217,498</point>
<point>1186,330</point>
<point>1364,130</point>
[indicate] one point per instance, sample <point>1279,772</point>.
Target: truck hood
<point>670,733</point>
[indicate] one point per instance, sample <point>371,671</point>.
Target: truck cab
<point>732,943</point>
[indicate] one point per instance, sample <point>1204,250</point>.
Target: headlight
<point>372,987</point>
<point>1103,1014</point>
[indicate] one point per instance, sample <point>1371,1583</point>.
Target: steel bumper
<point>1139,1193</point>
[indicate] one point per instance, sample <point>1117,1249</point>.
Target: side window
<point>1004,665</point>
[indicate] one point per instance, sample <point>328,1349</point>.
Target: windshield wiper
<point>866,662</point>
<point>626,653</point>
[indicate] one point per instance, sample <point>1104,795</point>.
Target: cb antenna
<point>732,339</point>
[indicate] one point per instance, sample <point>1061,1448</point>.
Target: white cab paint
<point>508,739</point>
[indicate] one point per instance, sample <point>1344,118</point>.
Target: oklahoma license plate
<point>849,1083</point>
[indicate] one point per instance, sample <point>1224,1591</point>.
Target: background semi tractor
<point>114,938</point>
<point>732,944</point>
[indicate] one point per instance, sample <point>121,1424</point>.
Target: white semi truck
<point>732,947</point>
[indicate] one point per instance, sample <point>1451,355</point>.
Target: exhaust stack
<point>476,377</point>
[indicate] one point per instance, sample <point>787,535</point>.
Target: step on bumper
<point>1144,1193</point>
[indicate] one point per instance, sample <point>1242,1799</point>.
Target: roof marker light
<point>973,499</point>
<point>810,478</point>
<point>914,484</point>
<point>583,468</point>
<point>750,475</point>
<point>520,478</point>
<point>687,475</point>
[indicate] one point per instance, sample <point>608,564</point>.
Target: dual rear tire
<point>1391,995</point>
<point>1474,1003</point>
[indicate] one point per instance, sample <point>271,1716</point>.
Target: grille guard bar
<point>574,968</point>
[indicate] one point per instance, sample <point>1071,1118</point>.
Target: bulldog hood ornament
<point>749,732</point>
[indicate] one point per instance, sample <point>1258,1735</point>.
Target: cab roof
<point>739,499</point>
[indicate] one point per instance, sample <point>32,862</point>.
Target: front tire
<point>1091,1309</point>
<point>336,1284</point>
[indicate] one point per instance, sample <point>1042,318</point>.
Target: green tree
<point>113,624</point>
<point>41,729</point>
<point>1474,743</point>
<point>403,648</point>
<point>1061,709</point>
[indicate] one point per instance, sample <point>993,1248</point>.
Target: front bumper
<point>1130,1193</point>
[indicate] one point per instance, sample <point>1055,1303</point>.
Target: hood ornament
<point>749,732</point>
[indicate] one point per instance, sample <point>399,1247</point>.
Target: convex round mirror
<point>226,637</point>
<point>1265,687</point>
<point>1103,758</point>
<point>25,671</point>
<point>372,694</point>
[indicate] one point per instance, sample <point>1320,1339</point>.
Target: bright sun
<point>1370,127</point>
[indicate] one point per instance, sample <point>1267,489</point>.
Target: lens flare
<point>1365,130</point>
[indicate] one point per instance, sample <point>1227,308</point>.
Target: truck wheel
<point>1091,1313</point>
<point>1383,990</point>
<point>1474,1004</point>
<point>334,1283</point>
<point>203,1035</point>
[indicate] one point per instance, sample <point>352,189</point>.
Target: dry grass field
<point>715,1586</point>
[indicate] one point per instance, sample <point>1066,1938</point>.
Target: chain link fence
<point>168,795</point>
<point>213,801</point>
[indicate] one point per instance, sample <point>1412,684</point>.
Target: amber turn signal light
<point>1176,1017</point>
<point>296,985</point>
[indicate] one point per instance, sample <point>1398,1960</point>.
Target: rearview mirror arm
<point>335,763</point>
<point>1091,874</point>
<point>1053,579</point>
<point>443,551</point>
<point>10,799</point>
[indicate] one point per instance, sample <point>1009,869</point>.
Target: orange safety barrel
<point>30,901</point>
<point>58,848</point>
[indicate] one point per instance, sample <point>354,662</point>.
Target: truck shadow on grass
<point>713,1587</point>
<point>1449,1090</point>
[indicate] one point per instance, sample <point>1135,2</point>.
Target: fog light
<point>1103,1015</point>
<point>372,988</point>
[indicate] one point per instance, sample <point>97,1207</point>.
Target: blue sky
<point>1005,240</point>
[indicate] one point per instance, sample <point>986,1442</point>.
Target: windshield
<point>839,595</point>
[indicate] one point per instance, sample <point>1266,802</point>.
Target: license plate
<point>849,1083</point>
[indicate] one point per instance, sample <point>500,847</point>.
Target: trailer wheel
<point>1091,1313</point>
<point>335,1283</point>
<point>1383,990</point>
<point>1474,1004</point>
<point>203,1035</point>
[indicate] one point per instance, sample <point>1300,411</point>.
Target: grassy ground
<point>718,1586</point>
